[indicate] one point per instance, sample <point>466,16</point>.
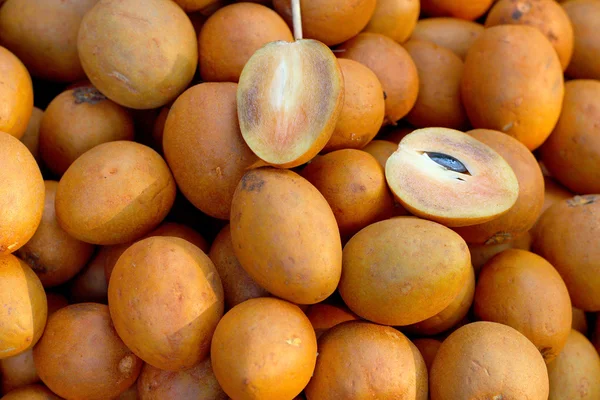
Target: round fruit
<point>464,9</point>
<point>360,360</point>
<point>403,270</point>
<point>285,235</point>
<point>90,285</point>
<point>22,196</point>
<point>428,348</point>
<point>31,392</point>
<point>31,137</point>
<point>394,18</point>
<point>264,348</point>
<point>16,94</point>
<point>81,356</point>
<point>231,35</point>
<point>165,299</point>
<point>114,193</point>
<point>139,57</point>
<point>580,322</point>
<point>324,316</point>
<point>584,15</point>
<point>381,150</point>
<point>195,5</point>
<point>513,82</point>
<point>487,360</point>
<point>482,253</point>
<point>554,193</point>
<point>17,371</point>
<point>452,33</point>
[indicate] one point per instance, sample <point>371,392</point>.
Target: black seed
<point>448,162</point>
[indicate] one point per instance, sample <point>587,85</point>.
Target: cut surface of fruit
<point>289,98</point>
<point>449,177</point>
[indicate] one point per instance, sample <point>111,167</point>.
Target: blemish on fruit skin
<point>581,200</point>
<point>88,94</point>
<point>296,342</point>
<point>252,183</point>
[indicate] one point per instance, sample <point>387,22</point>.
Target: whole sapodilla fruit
<point>452,33</point>
<point>513,82</point>
<point>584,15</point>
<point>140,57</point>
<point>285,235</point>
<point>464,9</point>
<point>31,392</point>
<point>16,94</point>
<point>394,18</point>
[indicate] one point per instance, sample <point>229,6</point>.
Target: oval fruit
<point>584,15</point>
<point>394,18</point>
<point>452,33</point>
<point>381,150</point>
<point>465,9</point>
<point>16,94</point>
<point>428,348</point>
<point>31,392</point>
<point>31,137</point>
<point>324,316</point>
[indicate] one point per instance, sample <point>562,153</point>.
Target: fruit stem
<point>297,19</point>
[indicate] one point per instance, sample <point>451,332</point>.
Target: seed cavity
<point>448,162</point>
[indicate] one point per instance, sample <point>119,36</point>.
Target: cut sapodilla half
<point>289,97</point>
<point>450,177</point>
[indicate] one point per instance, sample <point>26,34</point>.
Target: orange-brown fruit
<point>393,66</point>
<point>31,137</point>
<point>554,192</point>
<point>353,183</point>
<point>16,94</point>
<point>198,382</point>
<point>78,120</point>
<point>584,14</point>
<point>572,152</point>
<point>17,371</point>
<point>285,235</point>
<point>31,392</point>
<point>491,361</point>
<point>90,285</point>
<point>165,298</point>
<point>360,360</point>
<point>440,72</point>
<point>289,99</point>
<point>363,110</point>
<point>580,322</point>
<point>546,15</point>
<point>22,195</point>
<point>428,348</point>
<point>204,147</point>
<point>522,290</point>
<point>381,150</point>
<point>232,35</point>
<point>482,253</point>
<point>396,133</point>
<point>56,301</point>
<point>195,5</point>
<point>238,286</point>
<point>81,356</point>
<point>43,34</point>
<point>325,316</point>
<point>139,57</point>
<point>450,177</point>
<point>329,21</point>
<point>403,270</point>
<point>513,82</point>
<point>575,374</point>
<point>52,253</point>
<point>566,235</point>
<point>522,215</point>
<point>464,9</point>
<point>158,130</point>
<point>452,33</point>
<point>114,193</point>
<point>450,316</point>
<point>130,394</point>
<point>394,18</point>
<point>264,348</point>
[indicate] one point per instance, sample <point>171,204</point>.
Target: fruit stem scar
<point>447,161</point>
<point>297,19</point>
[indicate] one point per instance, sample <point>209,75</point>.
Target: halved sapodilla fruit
<point>446,176</point>
<point>289,98</point>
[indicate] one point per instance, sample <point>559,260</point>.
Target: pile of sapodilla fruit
<point>199,202</point>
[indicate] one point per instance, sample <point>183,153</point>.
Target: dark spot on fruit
<point>88,94</point>
<point>384,95</point>
<point>33,260</point>
<point>252,183</point>
<point>581,200</point>
<point>546,352</point>
<point>517,14</point>
<point>448,162</point>
<point>499,238</point>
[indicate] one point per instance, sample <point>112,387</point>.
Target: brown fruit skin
<point>585,63</point>
<point>554,192</point>
<point>231,35</point>
<point>360,360</point>
<point>394,18</point>
<point>329,21</point>
<point>43,34</point>
<point>264,348</point>
<point>53,254</point>
<point>354,185</point>
<point>324,316</point>
<point>31,137</point>
<point>238,286</point>
<point>31,392</point>
<point>22,195</point>
<point>17,371</point>
<point>204,147</point>
<point>139,57</point>
<point>545,15</point>
<point>403,270</point>
<point>454,34</point>
<point>524,213</point>
<point>198,382</point>
<point>78,120</point>
<point>522,290</point>
<point>114,193</point>
<point>165,298</point>
<point>393,66</point>
<point>566,236</point>
<point>482,253</point>
<point>572,151</point>
<point>81,356</point>
<point>440,73</point>
<point>580,322</point>
<point>428,348</point>
<point>575,374</point>
<point>449,316</point>
<point>55,302</point>
<point>513,82</point>
<point>483,360</point>
<point>16,95</point>
<point>285,235</point>
<point>195,5</point>
<point>464,9</point>
<point>90,285</point>
<point>363,109</point>
<point>381,150</point>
